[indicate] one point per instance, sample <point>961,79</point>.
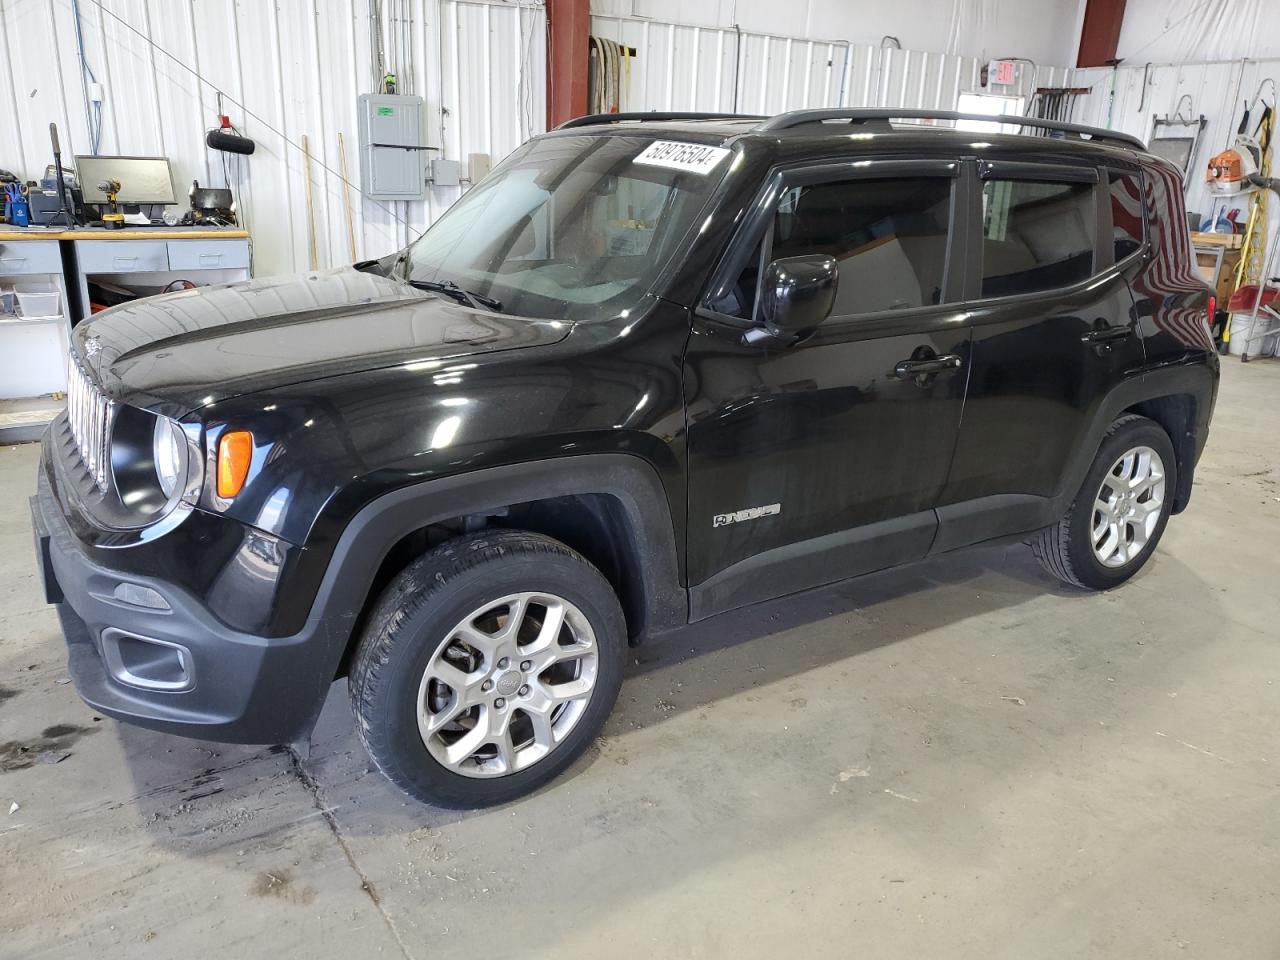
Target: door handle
<point>907,369</point>
<point>1107,334</point>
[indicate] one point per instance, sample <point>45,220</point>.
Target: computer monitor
<point>142,179</point>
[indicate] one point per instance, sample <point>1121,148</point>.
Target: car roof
<point>814,132</point>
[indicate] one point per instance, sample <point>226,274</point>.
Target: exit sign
<point>1003,72</point>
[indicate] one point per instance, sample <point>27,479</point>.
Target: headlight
<point>155,462</point>
<point>168,445</point>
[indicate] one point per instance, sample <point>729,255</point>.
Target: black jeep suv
<point>651,369</point>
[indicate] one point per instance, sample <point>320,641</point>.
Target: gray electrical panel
<point>393,150</point>
<point>445,173</point>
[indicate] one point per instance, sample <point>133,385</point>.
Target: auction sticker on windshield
<point>689,157</point>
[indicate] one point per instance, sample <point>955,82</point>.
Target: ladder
<point>1252,265</point>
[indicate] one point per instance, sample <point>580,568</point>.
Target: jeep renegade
<point>651,369</point>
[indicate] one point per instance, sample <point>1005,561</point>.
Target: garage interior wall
<point>1182,31</point>
<point>296,67</point>
<point>1044,31</point>
<point>716,65</point>
<point>758,56</point>
<point>1187,58</point>
<point>1128,98</point>
<point>683,66</point>
<point>288,68</point>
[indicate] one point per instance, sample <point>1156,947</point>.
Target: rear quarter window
<point>1128,223</point>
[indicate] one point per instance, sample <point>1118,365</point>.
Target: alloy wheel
<point>507,684</point>
<point>1127,507</point>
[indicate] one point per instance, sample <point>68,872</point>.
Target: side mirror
<point>798,294</point>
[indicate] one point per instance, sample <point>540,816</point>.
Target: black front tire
<point>411,620</point>
<point>1066,549</point>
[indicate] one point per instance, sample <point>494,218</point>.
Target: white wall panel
<point>1216,89</point>
<point>1188,30</point>
<point>1043,30</point>
<point>684,67</point>
<point>1128,98</point>
<point>292,67</point>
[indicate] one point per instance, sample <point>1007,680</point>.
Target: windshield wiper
<point>451,289</point>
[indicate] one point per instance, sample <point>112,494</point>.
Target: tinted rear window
<point>1036,235</point>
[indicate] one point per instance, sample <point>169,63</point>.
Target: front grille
<point>89,414</point>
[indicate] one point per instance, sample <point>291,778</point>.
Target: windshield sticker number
<point>689,157</point>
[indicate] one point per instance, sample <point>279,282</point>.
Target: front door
<point>814,461</point>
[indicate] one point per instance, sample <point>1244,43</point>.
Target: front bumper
<point>152,654</point>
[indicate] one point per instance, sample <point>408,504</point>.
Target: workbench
<point>63,261</point>
<point>126,233</point>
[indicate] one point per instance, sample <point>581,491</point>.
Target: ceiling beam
<point>568,53</point>
<point>1100,32</point>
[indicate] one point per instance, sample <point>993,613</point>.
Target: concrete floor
<point>960,759</point>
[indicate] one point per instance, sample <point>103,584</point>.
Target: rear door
<point>814,461</point>
<point>1054,329</point>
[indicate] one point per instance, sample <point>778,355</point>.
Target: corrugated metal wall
<point>1128,98</point>
<point>297,67</point>
<point>680,66</point>
<point>686,67</point>
<point>1215,89</point>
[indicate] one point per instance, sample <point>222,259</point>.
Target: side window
<point>888,236</point>
<point>1127,226</point>
<point>1036,235</point>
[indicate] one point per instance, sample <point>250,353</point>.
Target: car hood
<point>179,351</point>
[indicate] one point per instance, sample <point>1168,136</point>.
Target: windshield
<point>572,227</point>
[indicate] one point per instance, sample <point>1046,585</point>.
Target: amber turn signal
<point>235,451</point>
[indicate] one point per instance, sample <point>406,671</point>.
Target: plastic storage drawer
<point>29,256</point>
<point>208,254</point>
<point>122,256</point>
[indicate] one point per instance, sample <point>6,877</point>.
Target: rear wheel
<point>488,665</point>
<point>1121,511</point>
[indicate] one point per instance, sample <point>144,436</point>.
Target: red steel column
<point>568,29</point>
<point>1100,32</point>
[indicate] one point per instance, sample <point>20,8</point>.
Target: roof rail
<point>796,118</point>
<point>595,118</point>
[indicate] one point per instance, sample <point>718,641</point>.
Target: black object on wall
<point>229,142</point>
